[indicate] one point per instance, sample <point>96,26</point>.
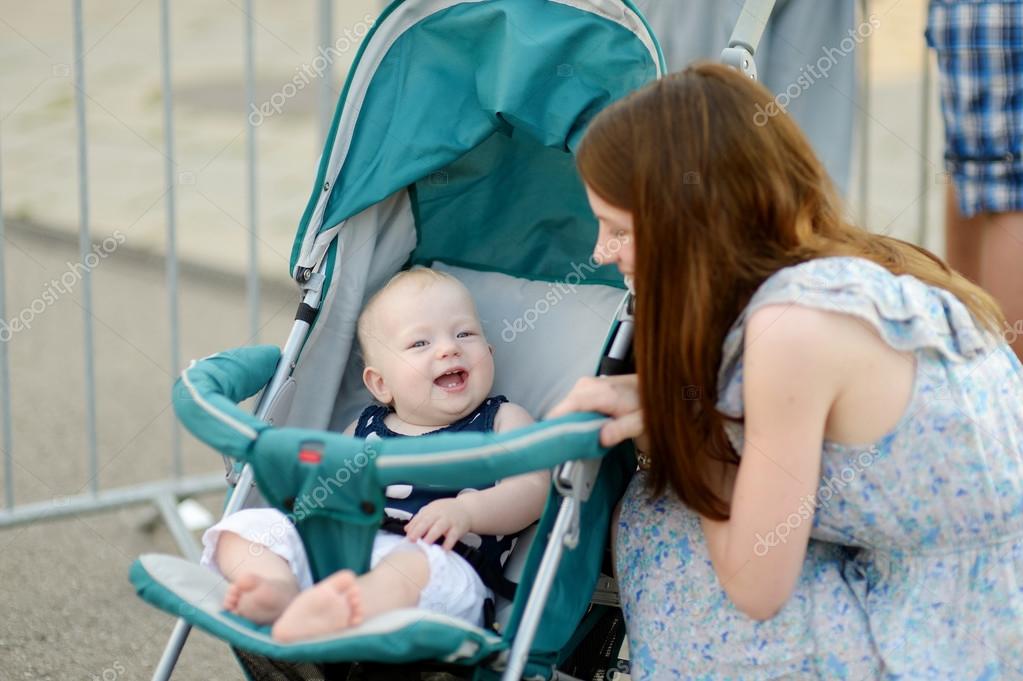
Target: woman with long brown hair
<point>829,421</point>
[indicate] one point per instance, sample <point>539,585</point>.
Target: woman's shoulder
<point>908,313</point>
<point>905,312</point>
<point>831,274</point>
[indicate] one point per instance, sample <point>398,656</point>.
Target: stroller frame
<point>573,480</point>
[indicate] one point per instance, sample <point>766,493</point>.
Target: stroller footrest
<point>195,594</point>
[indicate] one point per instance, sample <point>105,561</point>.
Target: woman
<point>874,527</point>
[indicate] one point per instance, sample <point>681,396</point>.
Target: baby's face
<point>427,353</point>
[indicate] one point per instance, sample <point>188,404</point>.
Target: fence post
<point>171,257</point>
<point>5,378</point>
<point>84,245</point>
<point>250,145</point>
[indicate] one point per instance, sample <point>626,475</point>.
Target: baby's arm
<point>508,507</point>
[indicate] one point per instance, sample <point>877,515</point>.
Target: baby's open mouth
<point>452,380</point>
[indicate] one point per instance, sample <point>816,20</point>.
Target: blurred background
<point>93,464</point>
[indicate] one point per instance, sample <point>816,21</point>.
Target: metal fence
<point>165,494</point>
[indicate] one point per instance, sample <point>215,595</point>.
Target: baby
<point>429,364</point>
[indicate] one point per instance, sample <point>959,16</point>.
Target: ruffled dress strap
<point>907,313</point>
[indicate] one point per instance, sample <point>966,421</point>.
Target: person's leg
<point>962,238</point>
<point>262,582</point>
<point>1001,270</point>
<point>343,600</point>
<point>261,553</point>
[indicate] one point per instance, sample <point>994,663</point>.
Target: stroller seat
<point>196,593</point>
<point>533,364</point>
<point>451,147</point>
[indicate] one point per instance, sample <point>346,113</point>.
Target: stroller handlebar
<point>206,398</point>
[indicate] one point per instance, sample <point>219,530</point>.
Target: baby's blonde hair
<point>419,274</point>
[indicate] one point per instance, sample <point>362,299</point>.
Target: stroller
<point>451,147</point>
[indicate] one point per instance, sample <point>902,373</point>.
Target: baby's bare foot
<point>332,605</point>
<point>259,599</point>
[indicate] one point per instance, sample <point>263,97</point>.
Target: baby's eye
<point>466,334</point>
<point>418,344</point>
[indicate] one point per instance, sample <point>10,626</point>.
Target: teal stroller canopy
<point>472,107</point>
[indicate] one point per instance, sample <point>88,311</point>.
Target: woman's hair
<point>724,191</point>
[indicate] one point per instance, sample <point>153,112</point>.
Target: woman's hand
<point>446,518</point>
<point>616,396</point>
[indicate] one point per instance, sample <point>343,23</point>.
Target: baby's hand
<point>446,518</point>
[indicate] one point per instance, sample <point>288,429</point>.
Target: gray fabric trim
<point>373,246</point>
<point>204,590</point>
<point>407,15</point>
<point>231,423</point>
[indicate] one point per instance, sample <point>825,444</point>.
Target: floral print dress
<point>914,569</point>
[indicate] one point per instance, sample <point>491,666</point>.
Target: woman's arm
<point>792,375</point>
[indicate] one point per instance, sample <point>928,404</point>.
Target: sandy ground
<point>70,612</point>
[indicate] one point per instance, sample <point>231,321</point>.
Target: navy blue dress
<point>404,500</point>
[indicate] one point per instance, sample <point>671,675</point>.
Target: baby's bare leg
<point>343,600</point>
<point>262,583</point>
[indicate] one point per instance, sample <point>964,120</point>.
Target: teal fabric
<point>478,107</point>
<point>222,381</point>
<point>550,231</point>
<point>420,640</point>
<point>336,502</point>
<point>331,485</point>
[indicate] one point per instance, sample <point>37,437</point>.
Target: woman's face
<point>615,239</point>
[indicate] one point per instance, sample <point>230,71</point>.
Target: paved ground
<point>124,113</point>
<point>70,612</point>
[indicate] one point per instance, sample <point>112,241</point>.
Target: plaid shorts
<point>980,56</point>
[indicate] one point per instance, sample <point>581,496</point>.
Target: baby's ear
<point>374,382</point>
<point>491,348</point>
